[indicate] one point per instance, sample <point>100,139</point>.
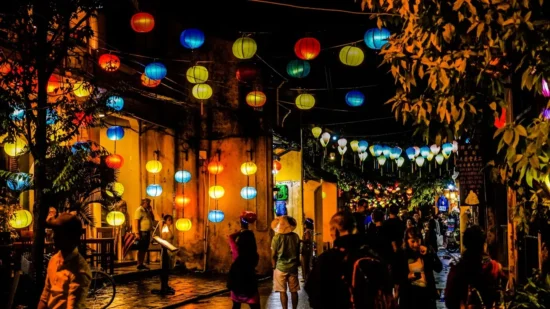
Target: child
<point>168,258</point>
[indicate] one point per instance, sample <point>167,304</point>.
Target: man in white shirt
<point>143,225</point>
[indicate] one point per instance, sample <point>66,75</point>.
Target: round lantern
<point>183,225</point>
<point>17,115</point>
<point>216,192</point>
<point>215,168</point>
<point>246,72</point>
<point>216,216</point>
<point>410,153</point>
<point>19,182</point>
<point>115,133</point>
<point>277,166</point>
<point>109,62</point>
<point>5,68</point>
<point>202,91</point>
<point>53,84</point>
<point>142,22</point>
<point>51,116</point>
<point>316,131</point>
<point>249,168</point>
<point>192,38</point>
<point>153,166</point>
<point>439,159</point>
<point>81,89</point>
<point>420,161</point>
<point>298,68</point>
<point>154,190</point>
<point>16,148</point>
<point>248,193</point>
<point>354,145</point>
<point>355,98</point>
<point>363,145</point>
<point>351,55</point>
<point>114,161</point>
<point>115,102</point>
<point>376,38</point>
<point>244,48</point>
<point>182,176</point>
<point>400,161</point>
<point>156,71</point>
<point>256,99</point>
<point>307,48</point>
<point>435,149</point>
<point>115,218</point>
<point>447,149</point>
<point>305,101</point>
<point>147,82</point>
<point>197,74</point>
<point>115,188</point>
<point>182,200</point>
<point>21,219</point>
<point>424,151</point>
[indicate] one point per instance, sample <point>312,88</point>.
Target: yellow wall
<point>330,206</point>
<point>291,175</point>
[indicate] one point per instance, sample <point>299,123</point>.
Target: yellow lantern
<point>354,145</point>
<point>216,192</point>
<point>153,166</point>
<point>21,219</point>
<point>115,218</point>
<point>245,48</point>
<point>305,101</point>
<point>197,74</point>
<point>202,91</point>
<point>351,55</point>
<point>183,224</point>
<point>316,132</point>
<point>249,168</point>
<point>81,89</point>
<point>115,188</point>
<point>256,98</point>
<point>16,148</point>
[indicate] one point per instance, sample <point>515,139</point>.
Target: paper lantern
<point>115,218</point>
<point>182,176</point>
<point>115,133</point>
<point>342,142</point>
<point>439,159</point>
<point>430,156</point>
<point>378,150</point>
<point>248,193</point>
<point>216,192</point>
<point>256,99</point>
<point>305,101</point>
<point>354,145</point>
<point>142,22</point>
<point>244,48</point>
<point>455,146</point>
<point>400,161</point>
<point>277,166</point>
<point>249,168</point>
<point>53,83</point>
<point>355,98</point>
<point>410,153</point>
<point>156,71</point>
<point>416,151</point>
<point>307,48</point>
<point>325,139</point>
<point>147,82</point>
<point>20,219</point>
<point>216,216</point>
<point>51,116</point>
<point>545,88</point>
<point>435,149</point>
<point>81,89</point>
<point>316,131</point>
<point>424,151</point>
<point>109,62</point>
<point>215,168</point>
<point>351,55</point>
<point>381,160</point>
<point>246,72</point>
<point>154,190</point>
<point>182,200</point>
<point>298,68</point>
<point>115,188</point>
<point>5,68</point>
<point>153,166</point>
<point>202,91</point>
<point>386,151</point>
<point>115,102</point>
<point>375,38</point>
<point>183,225</point>
<point>19,182</point>
<point>197,74</point>
<point>15,148</point>
<point>371,149</point>
<point>17,115</point>
<point>395,153</point>
<point>192,38</point>
<point>363,145</point>
<point>114,161</point>
<point>447,149</point>
<point>419,161</point>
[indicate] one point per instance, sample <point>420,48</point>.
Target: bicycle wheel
<point>102,290</point>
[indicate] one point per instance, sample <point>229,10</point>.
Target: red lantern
<point>147,82</point>
<point>182,200</point>
<point>53,83</point>
<point>82,119</point>
<point>109,63</point>
<point>246,72</point>
<point>215,168</point>
<point>142,22</point>
<point>114,161</point>
<point>501,121</point>
<point>307,48</point>
<point>277,165</point>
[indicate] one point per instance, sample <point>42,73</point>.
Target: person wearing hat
<point>144,221</point>
<point>68,275</point>
<point>285,250</point>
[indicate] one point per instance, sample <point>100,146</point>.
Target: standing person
<point>242,281</point>
<point>307,248</point>
<point>394,229</point>
<point>68,274</point>
<point>143,226</point>
<point>362,218</point>
<point>168,258</point>
<point>285,249</point>
<point>375,239</point>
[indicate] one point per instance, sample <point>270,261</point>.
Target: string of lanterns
<point>216,191</point>
<point>182,177</point>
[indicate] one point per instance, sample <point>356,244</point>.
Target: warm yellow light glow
<point>183,224</point>
<point>305,101</point>
<point>115,218</point>
<point>249,168</point>
<point>351,55</point>
<point>16,148</point>
<point>81,89</point>
<point>202,91</point>
<point>153,166</point>
<point>216,192</point>
<point>21,219</point>
<point>215,168</point>
<point>197,74</point>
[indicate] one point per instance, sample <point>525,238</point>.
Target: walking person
<point>143,226</point>
<point>285,250</point>
<point>307,248</point>
<point>242,280</point>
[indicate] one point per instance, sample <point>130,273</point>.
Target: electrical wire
<point>357,121</point>
<point>320,9</point>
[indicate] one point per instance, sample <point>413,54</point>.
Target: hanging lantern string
<point>321,108</point>
<point>273,69</point>
<point>349,122</point>
<point>322,9</point>
<point>342,45</point>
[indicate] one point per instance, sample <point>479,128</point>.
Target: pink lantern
<point>545,88</point>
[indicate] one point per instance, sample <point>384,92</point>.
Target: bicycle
<point>102,290</point>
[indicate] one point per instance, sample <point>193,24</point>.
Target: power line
<point>357,121</point>
<point>320,9</point>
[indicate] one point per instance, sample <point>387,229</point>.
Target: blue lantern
<point>378,150</point>
<point>362,146</point>
<point>115,133</point>
<point>115,102</point>
<point>182,176</point>
<point>355,98</point>
<point>395,153</point>
<point>248,193</point>
<point>17,115</point>
<point>155,70</point>
<point>298,68</point>
<point>376,38</point>
<point>424,151</point>
<point>51,116</point>
<point>216,216</point>
<point>19,182</point>
<point>447,149</point>
<point>154,190</point>
<point>192,38</point>
<point>386,151</point>
<point>411,153</point>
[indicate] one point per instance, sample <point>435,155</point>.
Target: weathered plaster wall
<point>291,175</point>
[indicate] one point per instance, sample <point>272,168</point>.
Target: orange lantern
<point>147,82</point>
<point>109,63</point>
<point>53,83</point>
<point>5,68</point>
<point>182,200</point>
<point>114,161</point>
<point>215,168</point>
<point>256,99</point>
<point>277,165</point>
<point>142,22</point>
